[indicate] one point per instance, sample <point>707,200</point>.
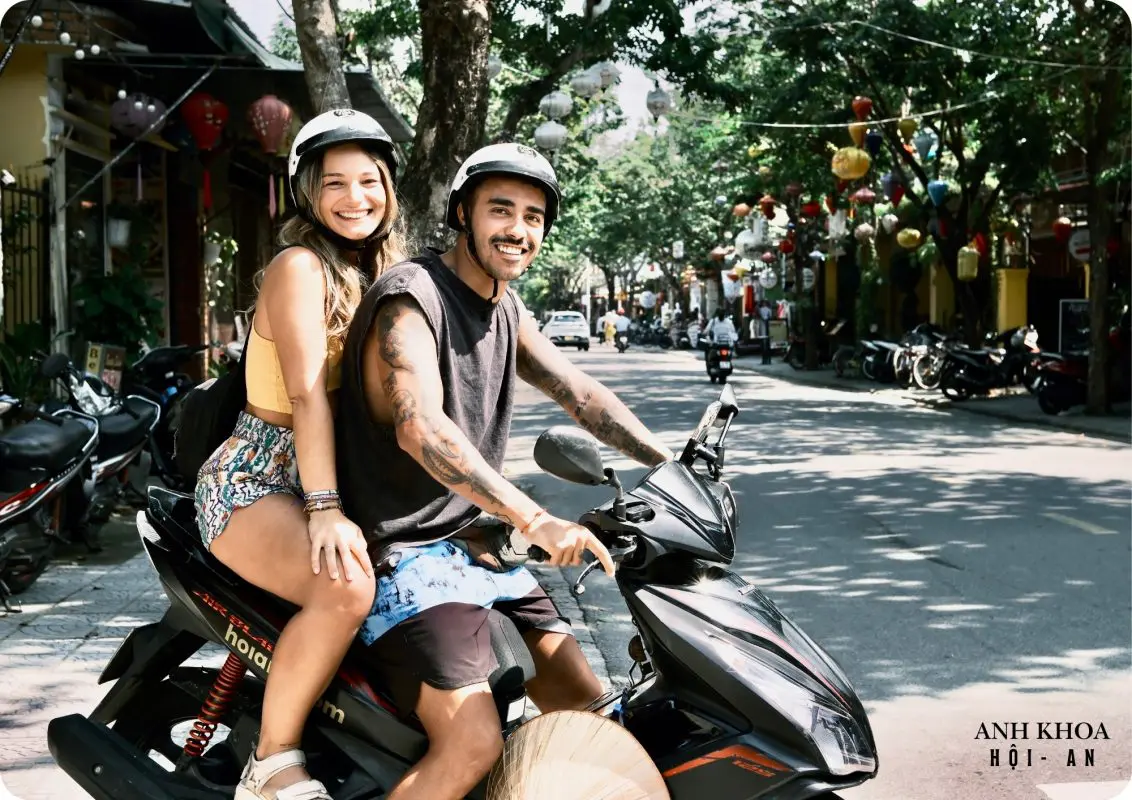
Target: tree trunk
<point>455,35</point>
<point>315,28</point>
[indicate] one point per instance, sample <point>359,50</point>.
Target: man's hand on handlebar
<point>564,543</point>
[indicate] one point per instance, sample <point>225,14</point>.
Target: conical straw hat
<point>574,755</point>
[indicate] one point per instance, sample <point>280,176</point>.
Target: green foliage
<point>20,354</point>
<point>117,308</point>
<point>219,275</point>
<point>284,42</point>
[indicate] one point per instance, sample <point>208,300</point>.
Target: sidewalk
<point>1014,405</point>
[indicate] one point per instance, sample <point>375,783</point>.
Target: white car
<point>568,328</point>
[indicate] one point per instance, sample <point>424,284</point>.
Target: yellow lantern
<point>909,238</point>
<point>764,172</point>
<point>968,266</point>
<point>850,163</point>
<point>857,131</point>
<point>907,127</point>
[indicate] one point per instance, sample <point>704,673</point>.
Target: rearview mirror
<point>729,406</point>
<point>54,365</point>
<point>570,454</point>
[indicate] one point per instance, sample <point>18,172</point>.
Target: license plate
<point>569,338</point>
<point>725,365</point>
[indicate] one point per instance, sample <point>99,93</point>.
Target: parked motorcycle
<point>719,359</point>
<point>43,465</point>
<point>1062,381</point>
<point>966,371</point>
<point>796,350</point>
<point>125,425</point>
<point>725,691</point>
<point>156,376</point>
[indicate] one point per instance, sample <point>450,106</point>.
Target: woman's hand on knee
<point>336,539</point>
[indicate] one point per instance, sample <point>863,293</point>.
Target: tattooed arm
<point>592,405</point>
<point>403,351</point>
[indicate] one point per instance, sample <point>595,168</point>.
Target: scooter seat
<point>515,665</point>
<point>41,444</point>
<point>120,431</point>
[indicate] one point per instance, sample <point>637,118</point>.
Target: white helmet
<point>338,127</point>
<point>505,159</point>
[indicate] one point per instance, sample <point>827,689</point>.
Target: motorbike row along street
<point>930,359</point>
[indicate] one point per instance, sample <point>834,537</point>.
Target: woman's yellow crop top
<point>264,375</point>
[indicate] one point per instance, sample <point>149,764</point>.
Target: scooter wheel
<point>722,379</point>
<point>1048,404</point>
<point>711,378</point>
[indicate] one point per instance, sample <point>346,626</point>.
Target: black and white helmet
<point>338,127</point>
<point>512,159</point>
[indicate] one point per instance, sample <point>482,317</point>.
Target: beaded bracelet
<point>322,501</point>
<point>523,530</point>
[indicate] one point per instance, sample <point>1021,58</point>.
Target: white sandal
<point>257,773</point>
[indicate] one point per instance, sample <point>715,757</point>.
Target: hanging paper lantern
<point>270,119</point>
<point>862,107</point>
<point>585,84</point>
<point>937,191</point>
<point>658,102</point>
<point>551,135</point>
<point>924,142</point>
<point>768,278</point>
<point>980,243</point>
<point>807,279</point>
<point>767,203</point>
<point>811,208</point>
<point>873,141</point>
<point>967,267</point>
<point>907,127</point>
<point>857,132</point>
<point>928,253</point>
<point>765,172</point>
<point>555,105</point>
<point>741,210</point>
<point>889,222</point>
<point>909,238</point>
<point>864,196</point>
<point>864,232</point>
<point>206,117</point>
<point>817,256</point>
<point>608,72</point>
<point>767,257</point>
<point>131,116</point>
<point>746,244</point>
<point>786,246</point>
<point>850,163</point>
<point>887,184</point>
<point>1062,228</point>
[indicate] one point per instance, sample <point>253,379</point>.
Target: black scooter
<point>44,463</point>
<point>725,692</point>
<point>967,372</point>
<point>719,360</point>
<point>621,341</point>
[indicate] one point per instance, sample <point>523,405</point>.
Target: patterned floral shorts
<point>257,460</point>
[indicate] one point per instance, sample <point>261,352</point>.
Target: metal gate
<point>26,231</point>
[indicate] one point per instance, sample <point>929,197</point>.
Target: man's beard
<point>487,254</point>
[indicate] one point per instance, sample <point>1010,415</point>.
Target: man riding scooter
<point>721,336</point>
<point>621,327</point>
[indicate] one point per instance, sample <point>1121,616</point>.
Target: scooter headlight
<point>837,736</point>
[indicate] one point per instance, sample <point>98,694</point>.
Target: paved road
<point>963,571</point>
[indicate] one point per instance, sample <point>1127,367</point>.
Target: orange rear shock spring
<point>215,705</point>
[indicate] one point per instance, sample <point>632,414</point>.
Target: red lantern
<point>842,185</point>
<point>830,203</point>
<point>767,257</point>
<point>766,203</point>
<point>270,119</point>
<point>942,227</point>
<point>862,107</point>
<point>205,117</point>
<point>749,299</point>
<point>1062,227</point>
<point>811,208</point>
<point>864,196</point>
<point>897,195</point>
<point>786,246</point>
<point>981,244</point>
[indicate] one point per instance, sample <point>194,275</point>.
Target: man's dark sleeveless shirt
<point>384,490</point>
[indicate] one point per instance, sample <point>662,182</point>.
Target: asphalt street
<point>961,569</point>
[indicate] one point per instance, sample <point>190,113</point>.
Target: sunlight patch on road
<point>956,608</point>
<point>1087,527</point>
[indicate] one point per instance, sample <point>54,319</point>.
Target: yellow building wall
<point>23,109</point>
<point>1012,301</point>
<point>942,297</point>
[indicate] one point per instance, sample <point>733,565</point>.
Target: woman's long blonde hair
<point>345,282</point>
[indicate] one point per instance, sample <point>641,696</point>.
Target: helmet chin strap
<point>470,243</point>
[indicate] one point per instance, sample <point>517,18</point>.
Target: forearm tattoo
<point>581,401</point>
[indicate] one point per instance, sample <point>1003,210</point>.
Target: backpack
<point>208,416</point>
